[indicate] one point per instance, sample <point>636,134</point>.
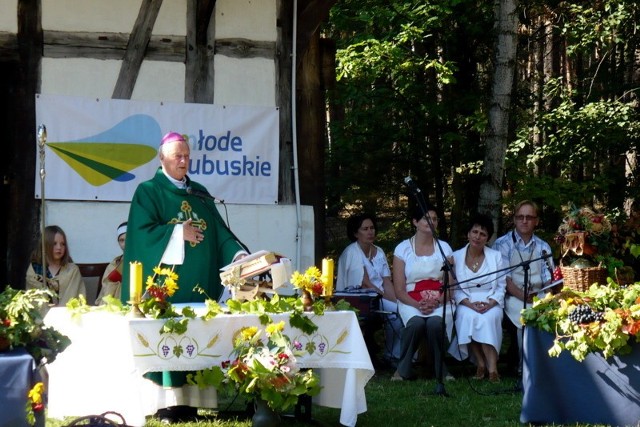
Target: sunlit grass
<point>398,404</point>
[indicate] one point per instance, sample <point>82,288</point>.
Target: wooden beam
<point>8,46</point>
<point>136,48</point>
<point>64,44</point>
<point>309,20</point>
<point>204,16</point>
<point>199,72</point>
<point>244,48</point>
<point>283,61</point>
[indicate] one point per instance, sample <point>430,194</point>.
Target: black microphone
<point>202,194</point>
<point>412,185</point>
<point>546,257</point>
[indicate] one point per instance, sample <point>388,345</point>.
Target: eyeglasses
<point>525,217</point>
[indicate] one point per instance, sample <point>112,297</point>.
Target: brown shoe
<point>397,377</point>
<point>494,377</point>
<point>481,372</point>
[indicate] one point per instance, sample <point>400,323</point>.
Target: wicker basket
<point>580,279</point>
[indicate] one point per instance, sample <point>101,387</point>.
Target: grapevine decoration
<point>602,319</point>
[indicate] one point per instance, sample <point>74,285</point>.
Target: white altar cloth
<point>102,369</point>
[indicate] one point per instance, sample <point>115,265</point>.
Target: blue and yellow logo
<point>112,155</point>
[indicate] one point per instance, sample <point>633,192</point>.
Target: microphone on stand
<point>202,194</point>
<point>546,257</point>
<point>412,185</point>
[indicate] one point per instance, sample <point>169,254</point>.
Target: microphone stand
<point>205,199</point>
<point>525,287</point>
<point>447,269</point>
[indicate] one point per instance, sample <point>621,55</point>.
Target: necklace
<point>474,262</point>
<point>369,254</point>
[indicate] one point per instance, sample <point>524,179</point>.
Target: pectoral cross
<point>186,213</point>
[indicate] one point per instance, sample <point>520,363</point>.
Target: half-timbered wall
<point>234,58</point>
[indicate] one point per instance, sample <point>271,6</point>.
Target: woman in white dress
<point>417,278</point>
<point>363,265</point>
<point>480,300</point>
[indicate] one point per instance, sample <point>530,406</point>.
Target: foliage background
<point>411,99</point>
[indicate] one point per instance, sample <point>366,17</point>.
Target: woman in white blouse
<point>363,265</point>
<point>480,299</point>
<point>418,278</point>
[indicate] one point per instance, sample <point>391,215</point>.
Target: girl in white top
<point>480,299</point>
<point>363,265</point>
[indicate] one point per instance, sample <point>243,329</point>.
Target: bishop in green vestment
<point>170,225</point>
<point>160,207</point>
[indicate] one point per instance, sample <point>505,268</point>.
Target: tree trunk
<point>497,138</point>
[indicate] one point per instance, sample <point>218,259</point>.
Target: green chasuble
<point>157,206</point>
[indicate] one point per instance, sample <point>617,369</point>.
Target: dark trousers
<point>415,331</point>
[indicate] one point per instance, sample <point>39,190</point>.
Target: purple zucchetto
<point>172,137</point>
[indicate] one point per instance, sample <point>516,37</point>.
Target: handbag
<point>99,421</point>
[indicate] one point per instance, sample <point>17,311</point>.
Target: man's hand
<point>191,233</point>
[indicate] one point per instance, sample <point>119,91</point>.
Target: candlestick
<point>327,276</point>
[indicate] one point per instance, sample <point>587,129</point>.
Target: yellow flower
<point>150,282</point>
<point>308,280</point>
<point>275,327</point>
<point>248,332</point>
<point>171,286</point>
<point>35,394</point>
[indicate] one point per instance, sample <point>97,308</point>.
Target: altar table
<point>102,369</point>
<point>561,390</point>
<point>18,374</point>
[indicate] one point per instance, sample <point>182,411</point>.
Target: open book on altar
<point>252,265</point>
<point>256,264</point>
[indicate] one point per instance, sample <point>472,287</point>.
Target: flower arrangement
<point>311,281</point>
<point>159,287</point>
<point>35,402</point>
<point>601,319</point>
<point>262,368</point>
<point>21,324</point>
<point>583,231</point>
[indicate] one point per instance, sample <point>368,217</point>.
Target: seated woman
<point>418,277</point>
<point>63,276</point>
<point>112,277</point>
<point>362,264</point>
<point>480,299</point>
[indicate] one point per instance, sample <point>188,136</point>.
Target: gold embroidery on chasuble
<point>186,213</point>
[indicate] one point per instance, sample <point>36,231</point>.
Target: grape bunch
<point>584,314</point>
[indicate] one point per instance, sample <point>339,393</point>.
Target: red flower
<point>318,288</point>
<point>280,381</point>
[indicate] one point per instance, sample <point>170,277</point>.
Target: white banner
<point>101,149</point>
